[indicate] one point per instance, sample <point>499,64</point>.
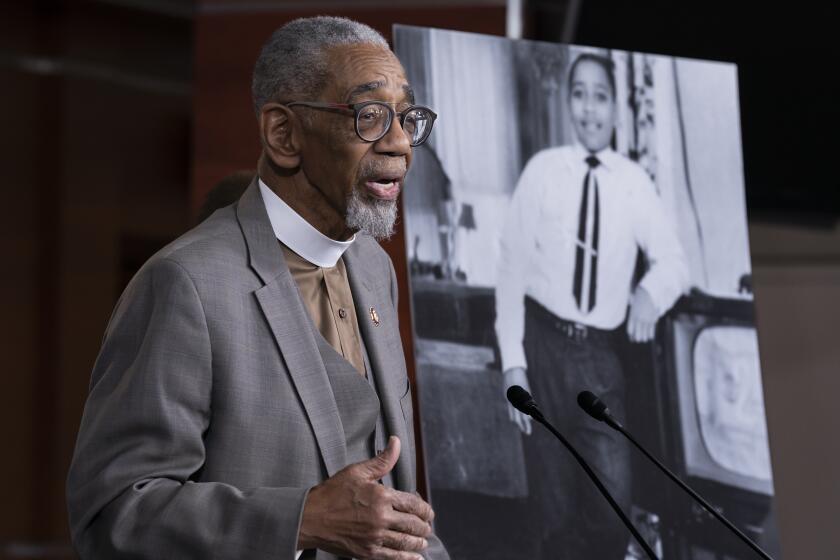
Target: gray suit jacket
<point>210,412</point>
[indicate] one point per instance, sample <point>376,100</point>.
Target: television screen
<point>721,404</point>
<point>730,405</point>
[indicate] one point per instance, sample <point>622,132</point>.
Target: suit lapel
<point>371,290</point>
<point>280,301</point>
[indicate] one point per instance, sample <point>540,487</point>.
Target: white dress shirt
<point>299,235</point>
<point>540,238</point>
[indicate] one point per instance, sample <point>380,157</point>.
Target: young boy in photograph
<point>578,217</point>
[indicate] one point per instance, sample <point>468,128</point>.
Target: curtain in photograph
<point>476,132</point>
<point>476,141</point>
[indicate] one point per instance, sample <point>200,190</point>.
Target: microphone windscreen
<point>521,399</point>
<point>592,405</point>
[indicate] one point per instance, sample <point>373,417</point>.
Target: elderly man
<point>250,399</point>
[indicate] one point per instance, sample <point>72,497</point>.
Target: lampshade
<point>467,219</point>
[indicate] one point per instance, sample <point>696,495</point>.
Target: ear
<point>281,135</point>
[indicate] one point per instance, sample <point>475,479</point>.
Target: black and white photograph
<point>581,225</point>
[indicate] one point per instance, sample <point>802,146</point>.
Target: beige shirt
<point>316,264</point>
<point>327,297</point>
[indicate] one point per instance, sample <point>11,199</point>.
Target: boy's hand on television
<point>517,376</point>
<point>641,324</point>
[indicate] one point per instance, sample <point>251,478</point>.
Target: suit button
<point>342,313</point>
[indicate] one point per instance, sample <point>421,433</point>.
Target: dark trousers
<point>576,522</point>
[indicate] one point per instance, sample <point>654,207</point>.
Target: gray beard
<point>372,216</point>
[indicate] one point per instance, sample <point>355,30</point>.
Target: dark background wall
<point>95,104</point>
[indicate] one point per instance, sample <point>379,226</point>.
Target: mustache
<point>382,168</point>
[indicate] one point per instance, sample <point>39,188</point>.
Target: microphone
<point>594,407</point>
<point>524,403</point>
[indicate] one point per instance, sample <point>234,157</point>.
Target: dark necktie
<point>584,247</point>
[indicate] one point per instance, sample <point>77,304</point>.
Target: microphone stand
<point>535,413</point>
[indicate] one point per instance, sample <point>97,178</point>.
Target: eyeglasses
<point>374,119</point>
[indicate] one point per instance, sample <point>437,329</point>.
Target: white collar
<point>299,235</point>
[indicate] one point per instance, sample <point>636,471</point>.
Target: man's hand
<point>352,514</point>
<point>641,324</point>
<point>517,376</point>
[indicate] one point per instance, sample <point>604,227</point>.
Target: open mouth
<point>385,188</point>
<point>590,126</point>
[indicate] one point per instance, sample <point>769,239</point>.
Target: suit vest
<point>358,404</point>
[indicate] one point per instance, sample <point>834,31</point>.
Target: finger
<point>524,423</point>
<point>517,419</point>
<point>636,331</point>
<point>412,504</point>
<point>379,466</point>
<point>408,524</point>
<point>403,541</point>
<point>645,336</point>
<point>382,553</point>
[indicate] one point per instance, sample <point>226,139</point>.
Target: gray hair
<point>293,60</point>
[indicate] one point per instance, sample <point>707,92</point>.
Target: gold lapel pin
<point>374,316</point>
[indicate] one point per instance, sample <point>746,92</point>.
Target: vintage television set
<point>711,427</point>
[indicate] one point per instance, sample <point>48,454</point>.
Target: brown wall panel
<point>20,300</point>
<point>30,163</point>
<point>98,154</point>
